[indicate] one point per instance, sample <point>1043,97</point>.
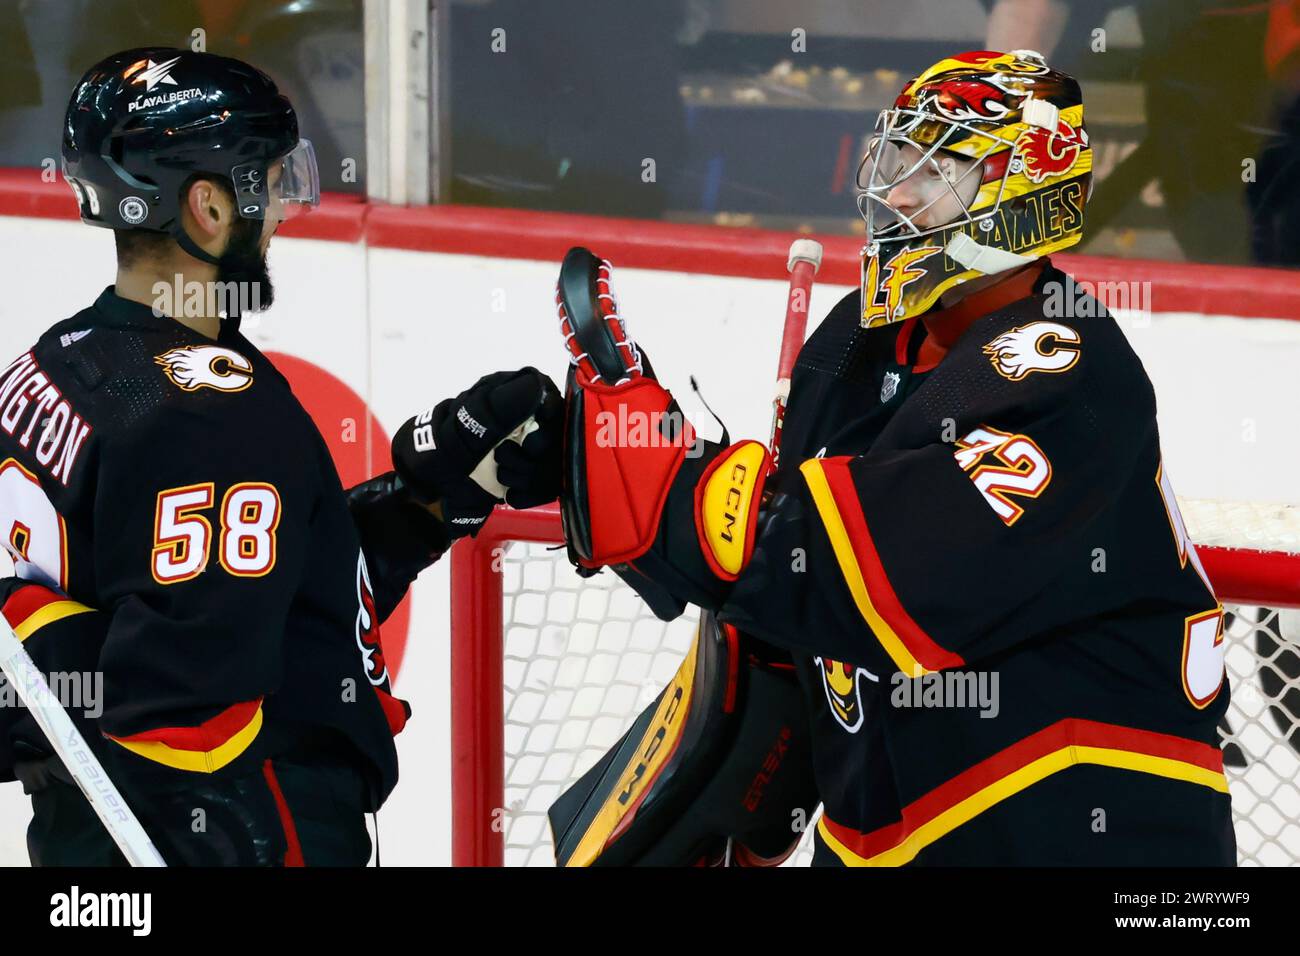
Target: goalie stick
<point>803,262</point>
<point>105,799</point>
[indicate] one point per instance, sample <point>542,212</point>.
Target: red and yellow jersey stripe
<point>1064,744</point>
<point>912,650</point>
<point>33,607</point>
<point>205,748</point>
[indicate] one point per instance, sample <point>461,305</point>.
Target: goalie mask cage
<point>549,669</point>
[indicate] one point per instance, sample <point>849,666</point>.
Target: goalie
<point>1004,648</point>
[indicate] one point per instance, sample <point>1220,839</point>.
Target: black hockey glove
<point>499,440</point>
<point>400,537</point>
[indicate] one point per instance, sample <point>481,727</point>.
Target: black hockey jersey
<point>176,484</point>
<point>1010,652</point>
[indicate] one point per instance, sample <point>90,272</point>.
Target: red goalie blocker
<point>625,440</point>
<point>629,450</point>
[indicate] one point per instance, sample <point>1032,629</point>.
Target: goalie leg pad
<point>724,752</point>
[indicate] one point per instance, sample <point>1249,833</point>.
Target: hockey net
<point>550,669</point>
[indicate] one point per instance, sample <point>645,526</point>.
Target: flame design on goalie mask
<point>1016,127</point>
<point>1050,153</point>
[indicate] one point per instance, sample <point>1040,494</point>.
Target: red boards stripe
<point>681,247</point>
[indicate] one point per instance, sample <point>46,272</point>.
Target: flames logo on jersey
<point>843,684</point>
<point>1036,347</point>
<point>1050,153</point>
<point>368,642</point>
<point>192,367</point>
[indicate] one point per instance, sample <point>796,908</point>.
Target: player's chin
<point>253,278</point>
<point>267,297</point>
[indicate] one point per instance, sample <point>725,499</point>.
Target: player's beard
<point>244,261</point>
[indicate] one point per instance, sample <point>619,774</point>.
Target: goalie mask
<point>982,165</point>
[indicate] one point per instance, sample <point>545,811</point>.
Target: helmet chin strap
<point>986,259</point>
<point>190,246</point>
<point>231,321</point>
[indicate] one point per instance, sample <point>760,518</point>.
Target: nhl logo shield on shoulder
<point>889,386</point>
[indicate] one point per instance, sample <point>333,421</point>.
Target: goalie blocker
<point>676,517</point>
<point>631,500</point>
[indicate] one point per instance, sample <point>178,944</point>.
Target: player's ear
<point>210,210</point>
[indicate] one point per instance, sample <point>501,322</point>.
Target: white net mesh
<point>1262,733</point>
<point>1255,525</point>
<point>584,656</point>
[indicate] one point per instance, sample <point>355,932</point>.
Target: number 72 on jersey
<point>1021,469</point>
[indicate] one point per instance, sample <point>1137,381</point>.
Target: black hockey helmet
<point>142,122</point>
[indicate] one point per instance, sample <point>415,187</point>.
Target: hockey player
<point>1007,649</point>
<point>175,518</point>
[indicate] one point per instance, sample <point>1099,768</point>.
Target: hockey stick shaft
<point>34,691</point>
<point>804,261</point>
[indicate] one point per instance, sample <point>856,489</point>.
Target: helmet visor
<point>282,188</point>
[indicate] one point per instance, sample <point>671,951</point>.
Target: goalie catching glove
<point>674,515</point>
<point>497,441</point>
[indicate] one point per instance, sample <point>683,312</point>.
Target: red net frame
<point>477,665</point>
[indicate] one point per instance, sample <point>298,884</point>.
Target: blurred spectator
<point>1275,194</point>
<point>1027,25</point>
<point>1201,66</point>
<point>20,84</point>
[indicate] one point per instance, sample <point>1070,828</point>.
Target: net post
<point>478,718</point>
<point>477,708</point>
